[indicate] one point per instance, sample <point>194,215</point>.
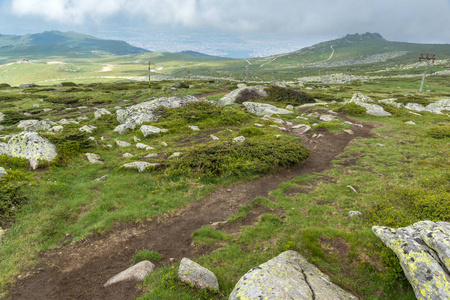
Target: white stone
<point>327,118</point>
<point>127,155</point>
<point>101,112</point>
<point>239,139</point>
<point>194,128</point>
<point>138,272</point>
<point>94,158</point>
<point>122,128</point>
<point>150,155</point>
<point>410,123</point>
<point>144,146</point>
<point>193,273</point>
<point>141,166</point>
<point>175,154</point>
<point>87,128</point>
<point>2,172</point>
<point>354,213</point>
<point>150,130</point>
<point>122,144</point>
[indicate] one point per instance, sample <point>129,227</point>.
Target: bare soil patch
<point>79,271</point>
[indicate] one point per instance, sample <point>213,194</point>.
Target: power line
<point>428,57</point>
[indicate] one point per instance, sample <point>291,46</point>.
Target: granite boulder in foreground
<point>424,253</point>
<point>287,276</point>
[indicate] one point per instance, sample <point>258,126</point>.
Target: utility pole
<point>350,77</point>
<point>428,57</point>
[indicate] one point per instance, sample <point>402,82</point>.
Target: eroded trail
<point>79,271</point>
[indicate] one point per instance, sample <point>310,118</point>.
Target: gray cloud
<point>406,20</point>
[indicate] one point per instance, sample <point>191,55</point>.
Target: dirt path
<point>79,271</point>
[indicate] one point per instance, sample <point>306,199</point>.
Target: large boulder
<point>122,128</point>
<point>230,98</point>
<point>138,272</point>
<point>101,112</point>
<point>150,130</point>
<point>424,253</point>
<point>415,106</point>
<point>438,106</point>
<point>143,112</point>
<point>140,166</point>
<point>32,146</point>
<point>374,109</point>
<point>287,276</point>
<point>263,109</point>
<point>193,273</point>
<point>33,125</point>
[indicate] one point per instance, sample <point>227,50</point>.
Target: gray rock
<point>194,128</point>
<point>438,106</point>
<point>136,139</point>
<point>414,106</point>
<point>101,112</point>
<point>32,146</point>
<point>33,125</point>
<point>239,139</point>
<point>287,276</point>
<point>263,109</point>
<point>57,128</point>
<point>2,117</point>
<point>327,118</point>
<point>87,128</point>
<point>392,102</point>
<point>144,146</point>
<point>359,98</point>
<point>26,85</point>
<point>94,158</point>
<point>213,137</point>
<point>175,155</point>
<point>138,272</point>
<point>4,149</point>
<point>82,107</point>
<point>354,213</point>
<point>63,122</point>
<point>230,98</point>
<point>103,178</point>
<point>374,109</point>
<point>290,107</point>
<point>302,130</point>
<point>349,131</point>
<point>193,273</point>
<point>143,112</point>
<point>2,172</point>
<point>47,109</point>
<point>36,105</point>
<point>141,166</point>
<point>126,155</point>
<point>150,130</point>
<point>122,128</point>
<point>122,144</point>
<point>424,253</point>
<point>410,123</point>
<point>150,155</point>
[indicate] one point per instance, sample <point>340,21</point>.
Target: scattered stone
<point>103,178</point>
<point>287,276</point>
<point>101,112</point>
<point>47,110</point>
<point>258,125</point>
<point>194,128</point>
<point>141,166</point>
<point>150,130</point>
<point>122,144</point>
<point>143,112</point>
<point>94,158</point>
<point>144,146</point>
<point>123,128</point>
<point>26,85</point>
<point>192,273</point>
<point>175,154</point>
<point>239,139</point>
<point>57,128</point>
<point>32,146</point>
<point>63,122</point>
<point>278,121</point>
<point>36,105</point>
<point>264,109</point>
<point>349,131</point>
<point>87,128</point>
<point>213,137</point>
<point>136,139</point>
<point>2,172</point>
<point>414,106</point>
<point>126,155</point>
<point>164,144</point>
<point>354,213</point>
<point>381,145</point>
<point>392,102</point>
<point>33,125</point>
<point>410,123</point>
<point>82,107</point>
<point>359,98</point>
<point>150,155</point>
<point>290,107</point>
<point>416,114</point>
<point>91,138</point>
<point>301,130</point>
<point>424,253</point>
<point>327,118</point>
<point>352,188</point>
<point>138,272</point>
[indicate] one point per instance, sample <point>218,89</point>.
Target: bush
<point>4,86</point>
<point>68,84</point>
<point>14,117</point>
<point>13,162</point>
<point>288,96</point>
<point>144,254</point>
<point>247,95</point>
<point>63,100</point>
<point>251,131</point>
<point>12,197</point>
<point>352,109</point>
<point>253,156</point>
<point>439,132</point>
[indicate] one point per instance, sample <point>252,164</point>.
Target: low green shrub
<point>8,162</point>
<point>63,100</point>
<point>253,156</point>
<point>251,131</point>
<point>104,123</point>
<point>12,196</point>
<point>439,132</point>
<point>144,254</point>
<point>247,95</point>
<point>68,84</point>
<point>14,117</point>
<point>352,109</point>
<point>207,235</point>
<point>288,96</point>
<point>4,86</point>
<point>396,112</point>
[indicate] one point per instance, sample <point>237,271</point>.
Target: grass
<point>405,181</point>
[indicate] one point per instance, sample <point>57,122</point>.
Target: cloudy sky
<point>282,24</point>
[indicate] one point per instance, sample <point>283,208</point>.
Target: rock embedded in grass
<point>2,172</point>
<point>141,166</point>
<point>148,130</point>
<point>94,158</point>
<point>122,144</point>
<point>101,112</point>
<point>138,272</point>
<point>192,273</point>
<point>87,128</point>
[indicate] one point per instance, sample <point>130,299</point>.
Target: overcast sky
<point>302,21</point>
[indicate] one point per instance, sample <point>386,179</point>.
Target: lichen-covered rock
<point>32,146</point>
<point>122,128</point>
<point>414,106</point>
<point>143,112</point>
<point>263,109</point>
<point>392,102</point>
<point>33,125</point>
<point>327,118</point>
<point>4,149</point>
<point>2,172</point>
<point>138,272</point>
<point>287,276</point>
<point>193,273</point>
<point>150,130</point>
<point>359,98</point>
<point>239,139</point>
<point>438,106</point>
<point>424,253</point>
<point>123,144</point>
<point>101,112</point>
<point>141,166</point>
<point>87,128</point>
<point>144,146</point>
<point>94,158</point>
<point>374,109</point>
<point>2,117</point>
<point>57,128</point>
<point>230,98</point>
<point>194,127</point>
<point>175,155</point>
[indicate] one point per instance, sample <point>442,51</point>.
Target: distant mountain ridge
<point>56,43</point>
